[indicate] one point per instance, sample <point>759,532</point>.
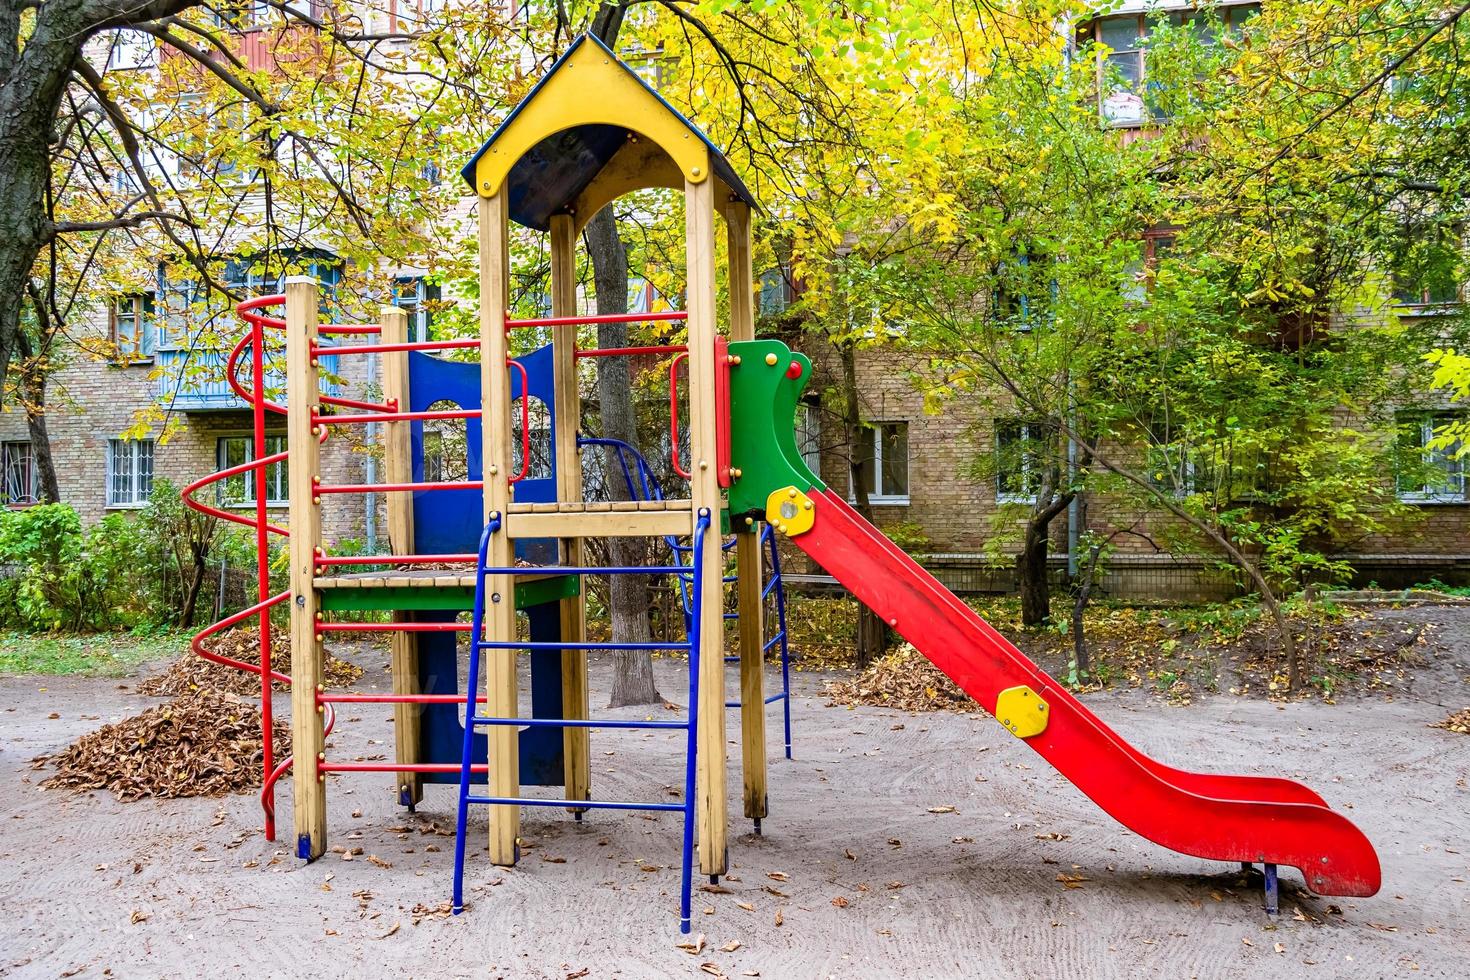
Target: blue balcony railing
<point>194,380</point>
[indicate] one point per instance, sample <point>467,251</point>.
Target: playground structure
<point>588,133</point>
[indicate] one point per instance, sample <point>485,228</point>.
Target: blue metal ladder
<point>475,721</point>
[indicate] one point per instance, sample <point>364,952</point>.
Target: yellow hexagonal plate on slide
<point>1021,711</point>
<point>790,511</point>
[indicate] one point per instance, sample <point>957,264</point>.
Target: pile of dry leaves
<point>1459,722</point>
<point>201,744</point>
<point>903,679</point>
<point>191,673</point>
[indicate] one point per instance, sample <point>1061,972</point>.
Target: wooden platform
<point>597,519</point>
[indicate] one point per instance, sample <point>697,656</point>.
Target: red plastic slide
<point>1217,817</point>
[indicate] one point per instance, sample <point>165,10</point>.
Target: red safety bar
<point>396,699</point>
<point>460,413</point>
<point>411,627</point>
<point>354,403</point>
<point>397,487</point>
<point>632,351</point>
<point>577,321</point>
<point>326,561</point>
<point>420,345</point>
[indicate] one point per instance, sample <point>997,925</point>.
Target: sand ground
<point>854,876</point>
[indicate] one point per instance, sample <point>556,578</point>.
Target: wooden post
<point>749,561</point>
<point>398,466</point>
<point>699,211</point>
<point>303,400</point>
<point>500,665</point>
<point>576,742</point>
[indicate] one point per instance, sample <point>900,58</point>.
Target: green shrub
<point>58,576</point>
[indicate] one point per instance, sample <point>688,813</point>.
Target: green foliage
<point>62,577</point>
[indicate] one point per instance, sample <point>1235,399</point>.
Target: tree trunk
<point>633,669</point>
<point>33,395</point>
<point>1031,577</point>
<point>1081,655</point>
<point>872,633</point>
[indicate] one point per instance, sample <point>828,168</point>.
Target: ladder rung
<point>573,804</point>
<point>583,645</point>
<point>575,723</point>
<point>773,641</point>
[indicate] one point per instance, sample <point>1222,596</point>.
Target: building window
<point>883,454</point>
<point>132,49</point>
<point>1427,472</point>
<point>129,472</point>
<point>18,469</point>
<point>1020,455</point>
<point>776,293</point>
<point>130,328</point>
<point>1426,262</point>
<point>809,436</point>
<point>1023,284</point>
<point>417,298</point>
<point>1140,275</point>
<point>1122,56</point>
<point>239,490</point>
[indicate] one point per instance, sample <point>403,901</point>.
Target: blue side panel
<point>449,522</point>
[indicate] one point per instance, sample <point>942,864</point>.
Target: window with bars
<point>18,470</point>
<point>129,472</point>
<point>239,490</point>
<point>883,454</point>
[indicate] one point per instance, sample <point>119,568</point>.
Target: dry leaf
<point>780,919</point>
<point>694,946</point>
<point>731,946</point>
<point>391,930</point>
<point>941,809</point>
<point>841,902</point>
<point>138,916</point>
<point>715,889</point>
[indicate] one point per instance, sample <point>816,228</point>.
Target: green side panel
<point>456,598</point>
<point>763,401</point>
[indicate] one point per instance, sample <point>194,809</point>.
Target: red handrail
<point>631,351</point>
<point>577,321</point>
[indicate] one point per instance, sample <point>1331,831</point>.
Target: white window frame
<point>1024,429</point>
<point>809,435</point>
<point>275,442</point>
<point>1454,490</point>
<point>139,477</point>
<point>8,451</point>
<point>878,498</point>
